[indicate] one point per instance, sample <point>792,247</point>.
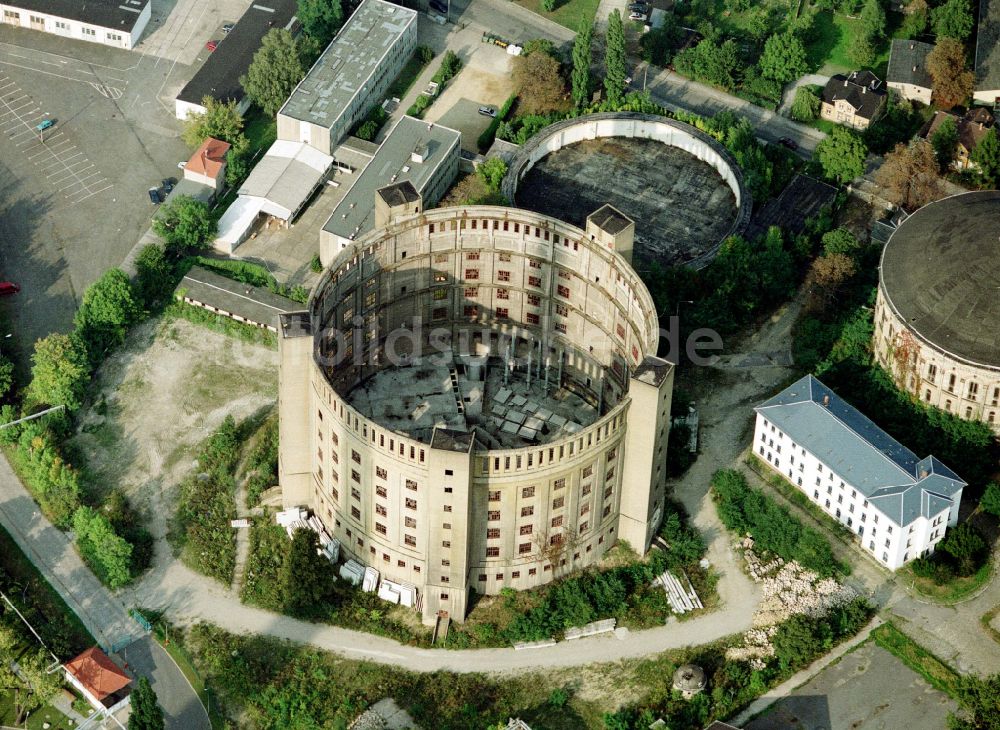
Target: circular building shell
<point>938,308</point>
<point>634,125</point>
<point>473,402</point>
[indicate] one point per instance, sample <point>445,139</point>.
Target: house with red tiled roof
<point>104,685</point>
<point>971,128</point>
<point>208,164</point>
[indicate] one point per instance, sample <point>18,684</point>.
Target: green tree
<point>979,698</point>
<point>59,372</point>
<point>987,157</point>
<point>581,64</point>
<point>658,44</point>
<point>614,60</point>
<point>806,106</point>
<point>784,58</point>
<point>492,173</point>
<point>6,376</point>
<point>306,577</point>
<point>146,713</point>
<point>965,546</point>
<point>276,68</point>
<point>840,241</point>
<point>712,63</point>
<point>842,155</point>
<point>872,20</point>
<point>943,141</point>
<point>221,120</point>
<point>953,19</point>
<point>797,641</point>
<point>548,5</point>
<point>321,19</point>
<point>237,167</point>
<point>862,50</point>
<point>108,555</point>
<point>991,499</point>
<point>914,20</point>
<point>185,223</point>
<point>154,275</point>
<point>107,311</point>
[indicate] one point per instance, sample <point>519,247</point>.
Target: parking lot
<point>73,202</point>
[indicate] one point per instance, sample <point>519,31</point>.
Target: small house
<point>971,128</point>
<point>908,74</point>
<point>855,100</point>
<point>102,683</point>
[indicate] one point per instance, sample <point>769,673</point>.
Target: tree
<point>236,167</point>
<point>986,156</point>
<point>185,223</point>
<point>109,556</point>
<point>915,19</point>
<point>977,697</point>
<point>492,173</point>
<point>107,311</point>
<point>146,714</point>
<point>711,63</point>
<point>548,5</point>
<point>826,278</point>
<point>991,499</point>
<point>658,43</point>
<point>951,81</point>
<point>806,106</point>
<point>953,19</point>
<point>275,70</point>
<point>784,58</point>
<point>154,275</point>
<point>840,241</point>
<point>581,64</point>
<point>306,578</point>
<point>33,685</point>
<point>614,60</point>
<point>872,20</point>
<point>221,120</point>
<point>965,546</point>
<point>6,376</point>
<point>909,176</point>
<point>321,19</point>
<point>842,155</point>
<point>59,372</point>
<point>538,82</point>
<point>943,141</point>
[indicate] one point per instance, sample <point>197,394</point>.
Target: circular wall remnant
<point>682,188</point>
<point>938,306</point>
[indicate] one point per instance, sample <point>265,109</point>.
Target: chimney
<point>826,400</point>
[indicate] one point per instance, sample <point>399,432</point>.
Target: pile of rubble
<point>788,589</point>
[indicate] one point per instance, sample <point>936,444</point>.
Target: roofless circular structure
<point>473,400</point>
<point>939,304</point>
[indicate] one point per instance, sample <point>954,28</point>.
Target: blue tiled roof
<point>890,476</point>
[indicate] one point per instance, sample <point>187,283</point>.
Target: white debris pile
<point>298,518</point>
<point>788,589</point>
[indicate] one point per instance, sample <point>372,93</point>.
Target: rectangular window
<point>471,274</point>
<point>494,496</point>
<point>527,511</point>
<point>535,281</point>
<point>410,522</point>
<point>502,312</point>
<point>493,552</point>
<point>380,528</point>
<point>503,294</point>
<point>380,510</point>
<point>584,526</point>
<point>557,521</point>
<point>527,492</point>
<point>356,475</point>
<point>493,515</point>
<point>411,485</point>
<point>493,533</point>
<point>447,508</point>
<point>559,484</point>
<point>524,548</point>
<point>525,529</point>
<point>355,513</point>
<point>562,291</point>
<point>381,492</point>
<point>531,318</point>
<point>411,503</point>
<point>503,275</point>
<point>558,502</point>
<point>410,540</point>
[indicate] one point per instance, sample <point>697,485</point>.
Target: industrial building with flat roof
<point>424,154</point>
<point>219,76</point>
<point>937,309</point>
<point>117,23</point>
<point>353,73</point>
<point>987,65</point>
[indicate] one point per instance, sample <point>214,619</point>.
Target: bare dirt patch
<point>158,399</point>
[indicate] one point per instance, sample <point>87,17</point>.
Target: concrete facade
<point>897,506</point>
<point>935,326</point>
<point>354,72</point>
<point>469,506</point>
<point>100,21</point>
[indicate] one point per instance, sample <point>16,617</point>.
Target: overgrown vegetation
<point>261,467</point>
<point>451,64</point>
<point>248,272</point>
<point>743,510</point>
<point>202,532</point>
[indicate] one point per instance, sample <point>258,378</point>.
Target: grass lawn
<point>260,129</point>
<point>46,716</point>
<point>954,590</point>
<point>406,77</point>
<point>830,51</point>
<point>935,671</point>
<point>570,13</point>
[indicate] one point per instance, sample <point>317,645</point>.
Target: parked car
<point>228,27</point>
<point>636,16</point>
<point>487,111</point>
<point>8,287</point>
<point>168,185</point>
<point>212,45</point>
<point>154,196</point>
<point>45,124</point>
<point>789,143</point>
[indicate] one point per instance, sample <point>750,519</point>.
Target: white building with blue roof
<point>898,505</point>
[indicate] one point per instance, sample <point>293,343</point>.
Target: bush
<point>489,134</point>
<point>367,131</point>
<point>315,265</point>
<point>51,481</point>
<point>208,543</point>
<point>107,554</point>
<point>425,54</point>
<point>262,463</point>
<point>743,510</point>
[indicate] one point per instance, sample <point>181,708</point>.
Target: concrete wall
<point>644,126</point>
<point>57,25</point>
<point>936,377</point>
<point>298,421</point>
<point>886,541</point>
<point>912,92</point>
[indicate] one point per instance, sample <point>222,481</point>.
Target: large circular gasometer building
<point>473,400</point>
<point>937,319</point>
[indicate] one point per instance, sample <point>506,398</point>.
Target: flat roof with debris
<point>348,63</point>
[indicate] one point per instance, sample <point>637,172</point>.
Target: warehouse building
<point>118,23</point>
